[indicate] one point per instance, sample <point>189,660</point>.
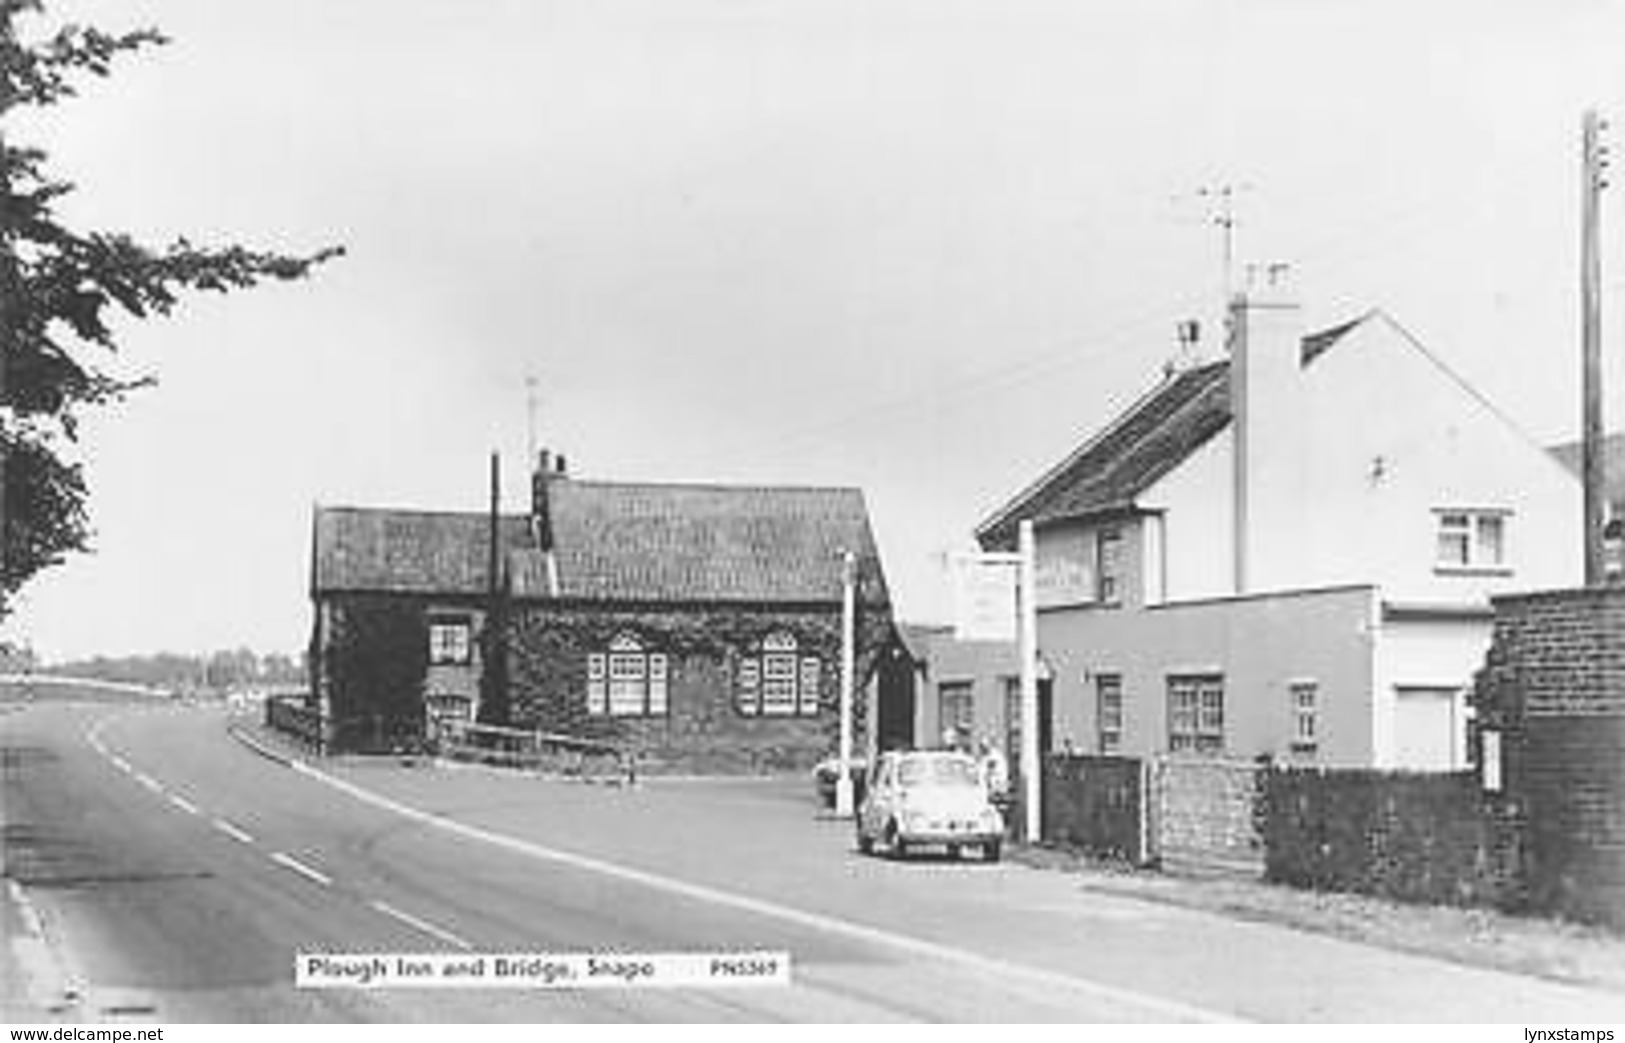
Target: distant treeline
<point>233,668</point>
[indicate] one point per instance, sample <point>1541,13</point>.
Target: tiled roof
<point>393,551</point>
<point>1613,462</point>
<point>650,542</point>
<point>916,638</point>
<point>1129,455</point>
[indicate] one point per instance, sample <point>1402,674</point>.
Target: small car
<point>829,769</point>
<point>920,798</point>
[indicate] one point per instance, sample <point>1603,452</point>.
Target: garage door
<point>1425,729</point>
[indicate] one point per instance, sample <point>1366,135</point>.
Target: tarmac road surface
<point>161,870</point>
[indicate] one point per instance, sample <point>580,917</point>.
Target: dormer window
<point>1471,541</point>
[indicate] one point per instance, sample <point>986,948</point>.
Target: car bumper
<point>945,835</point>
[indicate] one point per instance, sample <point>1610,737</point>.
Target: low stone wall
<point>1204,815</point>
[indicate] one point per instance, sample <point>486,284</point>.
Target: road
<point>172,874</point>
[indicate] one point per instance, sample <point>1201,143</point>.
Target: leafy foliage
<point>59,292</point>
<point>220,670</point>
<point>377,664</point>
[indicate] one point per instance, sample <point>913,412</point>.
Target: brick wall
<point>1204,814</point>
<point>703,730</point>
<point>1553,686</point>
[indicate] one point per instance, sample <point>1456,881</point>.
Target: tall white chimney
<point>1266,402</point>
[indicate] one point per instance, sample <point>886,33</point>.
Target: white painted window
<point>627,681</point>
<point>1471,540</point>
<point>779,681</point>
<point>451,641</point>
<point>1305,716</point>
<point>749,696</point>
<point>1109,712</point>
<point>1109,566</point>
<point>807,696</point>
<point>597,692</point>
<point>1196,713</point>
<point>657,685</point>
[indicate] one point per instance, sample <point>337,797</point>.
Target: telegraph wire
<point>1064,354</point>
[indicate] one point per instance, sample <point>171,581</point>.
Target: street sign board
<point>984,592</point>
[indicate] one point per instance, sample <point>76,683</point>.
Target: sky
<point>921,247</point>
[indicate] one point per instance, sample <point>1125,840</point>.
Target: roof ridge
<point>1122,417</point>
<point>1202,375</point>
<point>717,486</point>
<point>422,512</point>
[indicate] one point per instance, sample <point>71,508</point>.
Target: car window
<point>937,771</point>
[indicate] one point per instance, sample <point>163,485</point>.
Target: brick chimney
<point>1266,402</point>
<point>549,470</point>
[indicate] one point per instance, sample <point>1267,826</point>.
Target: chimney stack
<point>1270,423</point>
<point>549,469</point>
<point>540,516</point>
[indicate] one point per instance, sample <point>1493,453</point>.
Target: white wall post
<point>843,782</point>
<point>1028,638</point>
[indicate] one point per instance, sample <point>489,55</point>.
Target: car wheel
<point>896,846</point>
<point>990,851</point>
<point>866,843</point>
<point>953,852</point>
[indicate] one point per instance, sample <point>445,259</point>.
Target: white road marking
<point>184,804</point>
<point>289,862</point>
<point>25,910</point>
<point>120,763</point>
<point>48,982</point>
<point>149,782</point>
<point>423,925</point>
<point>231,831</point>
<point>1156,1005</point>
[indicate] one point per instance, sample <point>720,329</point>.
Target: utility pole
<point>1592,164</point>
<point>530,420</point>
<point>1223,200</point>
<point>493,708</point>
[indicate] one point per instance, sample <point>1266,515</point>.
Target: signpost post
<point>989,607</point>
<point>1027,607</point>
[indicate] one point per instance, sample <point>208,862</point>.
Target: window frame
<point>964,693</point>
<point>1109,685</point>
<point>1204,733</point>
<point>1305,741</point>
<point>1109,566</point>
<point>796,677</point>
<point>1469,528</point>
<point>462,653</point>
<point>644,675</point>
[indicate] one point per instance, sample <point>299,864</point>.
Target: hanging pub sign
<point>984,597</point>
